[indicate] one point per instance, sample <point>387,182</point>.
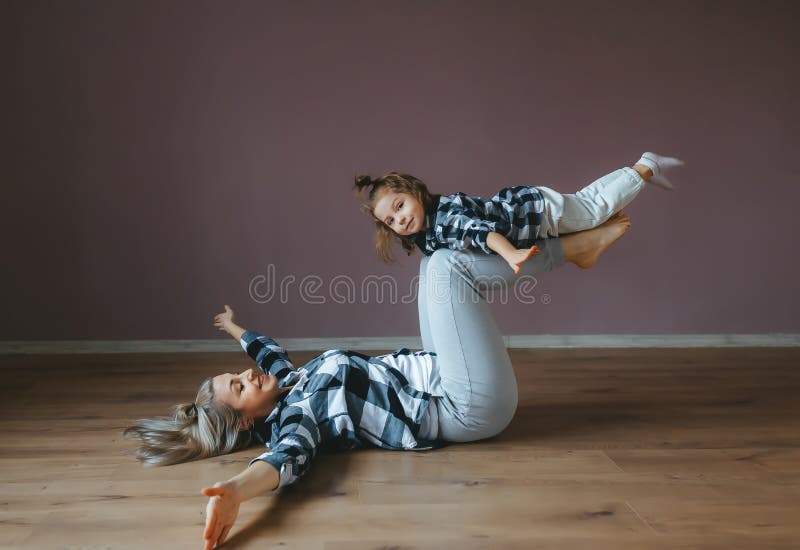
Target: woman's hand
<point>221,512</point>
<point>518,257</point>
<point>222,320</point>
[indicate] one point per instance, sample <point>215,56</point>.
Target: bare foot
<point>584,248</point>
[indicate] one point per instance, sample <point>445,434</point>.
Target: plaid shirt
<point>459,221</point>
<point>341,400</point>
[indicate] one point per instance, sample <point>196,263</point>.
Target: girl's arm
<point>498,243</point>
<point>461,228</point>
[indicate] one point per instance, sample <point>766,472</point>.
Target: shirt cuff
<point>480,239</point>
<point>284,472</point>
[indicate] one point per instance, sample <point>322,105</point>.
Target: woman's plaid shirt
<point>459,221</point>
<point>341,400</point>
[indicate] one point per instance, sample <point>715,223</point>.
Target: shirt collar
<point>430,217</point>
<point>434,206</point>
<point>292,378</point>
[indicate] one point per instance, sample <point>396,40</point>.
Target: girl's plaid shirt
<point>459,221</point>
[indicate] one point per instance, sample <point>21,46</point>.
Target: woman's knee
<point>439,261</point>
<point>443,265</point>
<point>503,409</point>
<point>445,259</point>
<point>479,419</point>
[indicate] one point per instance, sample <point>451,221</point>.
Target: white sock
<point>659,165</point>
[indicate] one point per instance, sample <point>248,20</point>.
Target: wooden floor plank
<point>630,448</point>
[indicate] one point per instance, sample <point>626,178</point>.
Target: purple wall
<point>158,156</point>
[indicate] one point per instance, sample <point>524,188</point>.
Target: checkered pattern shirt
<point>459,221</point>
<point>342,400</point>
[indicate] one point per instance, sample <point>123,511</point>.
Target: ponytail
<point>195,430</point>
<point>362,182</point>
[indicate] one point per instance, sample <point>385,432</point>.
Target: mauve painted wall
<point>156,156</point>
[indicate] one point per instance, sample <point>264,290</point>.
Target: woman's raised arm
<point>265,351</point>
<point>225,321</point>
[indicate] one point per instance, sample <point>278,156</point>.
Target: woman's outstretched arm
<point>289,459</point>
<point>223,506</point>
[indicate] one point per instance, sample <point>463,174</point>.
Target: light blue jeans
<point>455,322</point>
<point>591,206</point>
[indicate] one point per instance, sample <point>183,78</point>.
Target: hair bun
<point>363,181</point>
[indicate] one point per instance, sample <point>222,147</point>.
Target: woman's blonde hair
<point>196,430</point>
<point>399,183</point>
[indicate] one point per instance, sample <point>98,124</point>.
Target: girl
<point>462,388</point>
<point>509,222</point>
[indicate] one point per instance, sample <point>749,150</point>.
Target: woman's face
<point>251,392</point>
<point>401,212</point>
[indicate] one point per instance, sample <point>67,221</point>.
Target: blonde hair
<point>196,430</point>
<point>399,183</point>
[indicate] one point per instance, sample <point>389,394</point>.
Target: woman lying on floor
<point>461,388</point>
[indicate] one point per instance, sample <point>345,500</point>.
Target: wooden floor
<point>610,449</point>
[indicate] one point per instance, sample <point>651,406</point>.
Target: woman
<point>461,389</point>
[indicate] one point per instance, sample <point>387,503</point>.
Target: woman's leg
<point>476,373</point>
<point>592,205</point>
<point>489,274</point>
<point>582,249</point>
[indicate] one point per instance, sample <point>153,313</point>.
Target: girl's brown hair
<point>399,183</point>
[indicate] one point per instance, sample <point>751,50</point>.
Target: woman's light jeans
<point>455,322</point>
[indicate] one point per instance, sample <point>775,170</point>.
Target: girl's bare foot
<point>584,248</point>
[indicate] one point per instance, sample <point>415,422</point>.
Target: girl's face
<point>401,212</point>
<point>251,392</point>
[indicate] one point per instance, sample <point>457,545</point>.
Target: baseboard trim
<point>412,342</point>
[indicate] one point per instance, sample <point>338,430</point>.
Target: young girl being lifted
<point>507,224</point>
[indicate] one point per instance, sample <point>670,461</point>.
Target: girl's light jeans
<point>455,322</point>
<point>590,206</point>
